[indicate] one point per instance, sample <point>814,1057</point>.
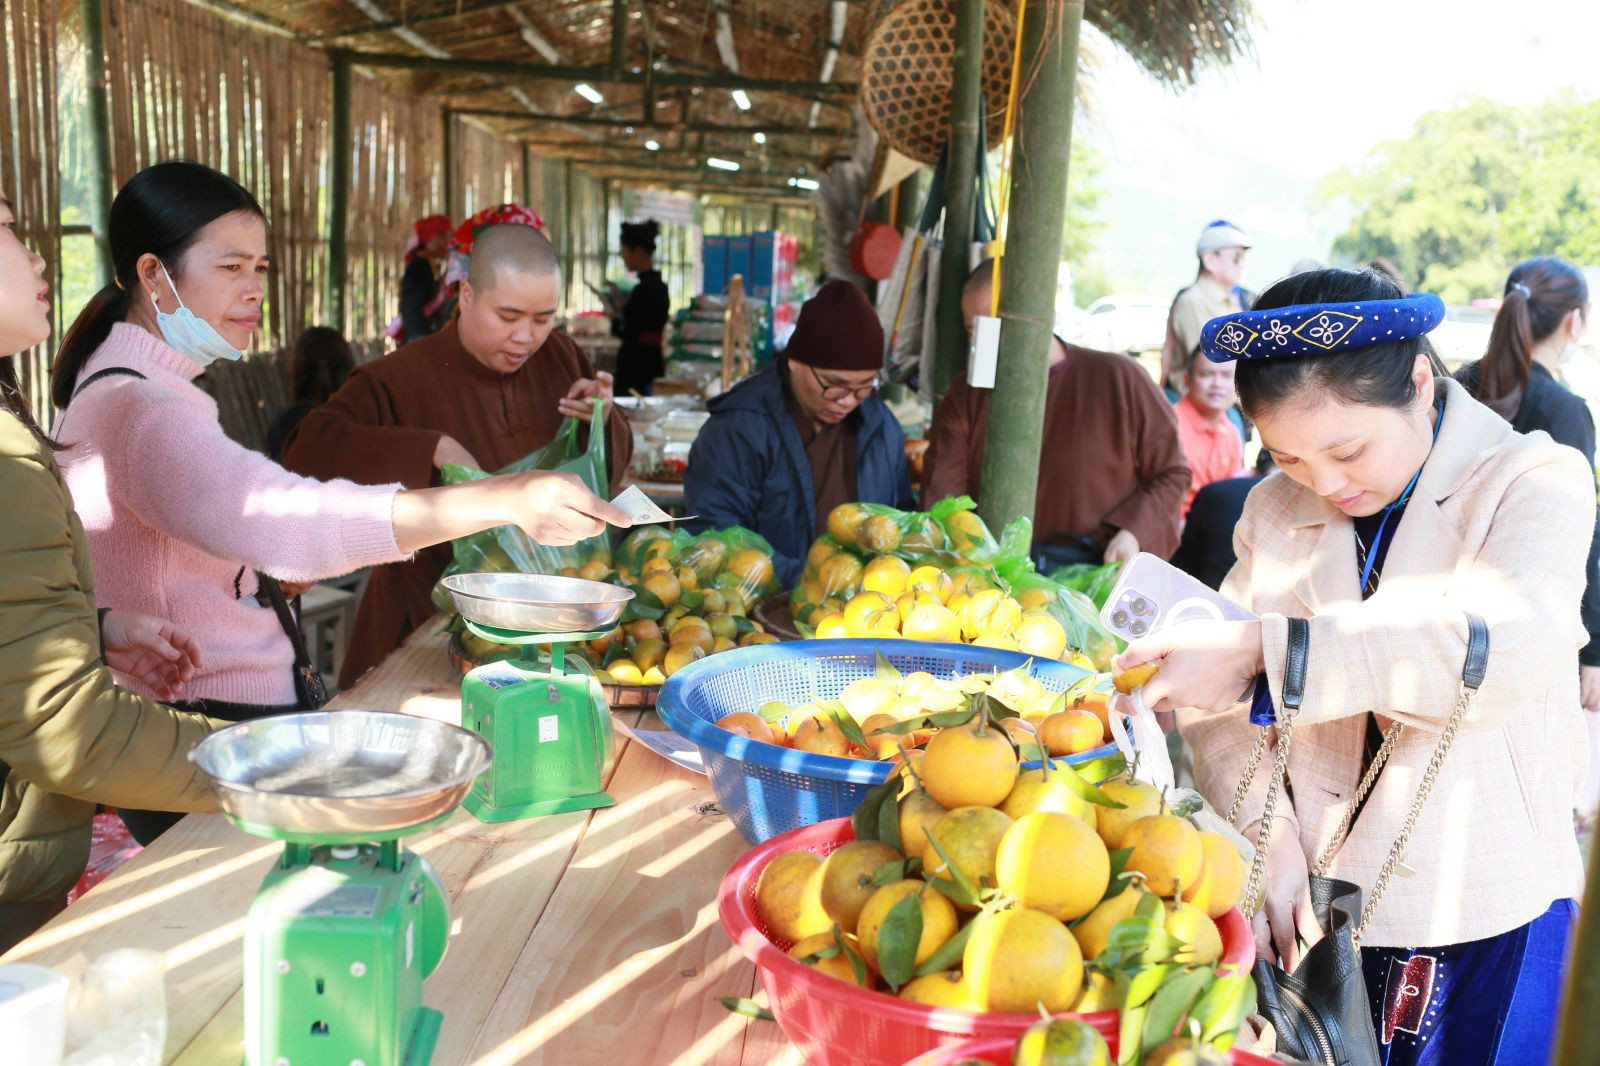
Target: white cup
<point>33,1015</point>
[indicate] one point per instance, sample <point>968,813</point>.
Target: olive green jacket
<point>70,737</point>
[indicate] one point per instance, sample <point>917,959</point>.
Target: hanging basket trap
<point>907,68</point>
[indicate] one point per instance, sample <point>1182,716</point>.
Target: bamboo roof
<point>513,66</point>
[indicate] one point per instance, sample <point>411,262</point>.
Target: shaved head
<point>510,247</point>
<point>980,280</point>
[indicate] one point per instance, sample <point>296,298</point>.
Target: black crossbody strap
<point>1296,662</point>
<point>108,372</point>
<point>273,591</point>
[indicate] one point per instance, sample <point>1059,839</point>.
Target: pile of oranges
<point>978,883</point>
<point>887,715</point>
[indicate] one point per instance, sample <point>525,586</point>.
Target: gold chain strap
<point>1429,777</point>
<point>1250,767</point>
<point>1280,772</point>
<point>1380,758</point>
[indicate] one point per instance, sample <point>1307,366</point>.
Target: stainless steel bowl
<point>326,775</point>
<point>537,603</point>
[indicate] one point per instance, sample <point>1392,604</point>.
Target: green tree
<point>1085,190</point>
<point>1476,188</point>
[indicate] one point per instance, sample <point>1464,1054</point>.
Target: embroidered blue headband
<point>1320,329</point>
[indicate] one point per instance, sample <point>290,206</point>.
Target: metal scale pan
<point>537,603</point>
<point>331,777</point>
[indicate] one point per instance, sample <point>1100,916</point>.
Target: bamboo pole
<point>966,98</point>
<point>913,190</point>
<point>619,37</point>
<point>448,138</point>
<point>1578,1038</point>
<point>339,190</point>
<point>1038,198</point>
<point>98,177</point>
<point>515,69</point>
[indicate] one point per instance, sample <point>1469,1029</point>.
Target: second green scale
<point>543,712</point>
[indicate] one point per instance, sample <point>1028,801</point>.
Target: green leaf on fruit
<point>848,726</point>
<point>882,667</point>
<point>949,955</point>
<point>1090,793</point>
<point>865,819</point>
<point>1172,1001</point>
<point>1223,1007</point>
<point>893,870</point>
<point>889,821</point>
<point>954,882</point>
<point>858,965</point>
<point>898,938</point>
<point>747,1008</point>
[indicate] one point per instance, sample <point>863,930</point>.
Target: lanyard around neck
<point>1388,512</point>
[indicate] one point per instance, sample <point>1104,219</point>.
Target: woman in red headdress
<point>420,294</point>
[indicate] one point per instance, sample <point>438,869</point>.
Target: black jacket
<point>1551,406</point>
<point>644,316</point>
<point>1206,550</point>
<point>418,287</point>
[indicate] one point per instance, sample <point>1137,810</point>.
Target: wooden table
<point>575,939</point>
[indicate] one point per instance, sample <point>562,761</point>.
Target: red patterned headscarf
<point>424,230</point>
<point>467,232</point>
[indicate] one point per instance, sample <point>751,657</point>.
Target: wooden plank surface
<point>575,939</point>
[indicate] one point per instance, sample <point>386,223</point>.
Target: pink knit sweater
<point>174,510</point>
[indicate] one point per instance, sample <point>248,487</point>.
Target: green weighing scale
<point>543,711</point>
<point>348,923</point>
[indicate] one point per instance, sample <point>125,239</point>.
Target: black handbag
<point>310,691</point>
<point>1320,1012</point>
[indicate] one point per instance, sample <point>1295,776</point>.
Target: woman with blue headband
<point>1404,512</point>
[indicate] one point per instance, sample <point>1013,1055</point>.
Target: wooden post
<point>339,191</point>
<point>1578,1039</point>
<point>99,177</point>
<point>961,175</point>
<point>913,190</point>
<point>1027,276</point>
<point>619,37</point>
<point>569,245</point>
<point>527,176</point>
<point>449,144</point>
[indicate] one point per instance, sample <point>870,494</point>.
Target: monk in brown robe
<point>484,391</point>
<point>1112,475</point>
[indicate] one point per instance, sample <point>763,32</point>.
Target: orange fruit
<point>1020,959</point>
<point>692,630</point>
<point>680,655</point>
<point>887,574</point>
<point>964,768</point>
<point>746,724</point>
<point>932,621</point>
<point>837,965</point>
<point>884,745</point>
<point>932,580</point>
<point>821,736</point>
<point>1094,932</point>
<point>1041,636</point>
<point>971,837</point>
<point>1167,850</point>
<point>1053,863</point>
<point>844,520</point>
<point>1069,732</point>
<point>938,918</point>
<point>879,534</point>
<point>919,812</point>
<point>789,896</point>
<point>943,989</point>
<point>1099,704</point>
<point>1221,880</point>
<point>1194,929</point>
<point>665,587</point>
<point>847,879</point>
<point>1139,800</point>
<point>832,627</point>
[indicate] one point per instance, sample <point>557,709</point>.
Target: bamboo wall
<point>28,134</point>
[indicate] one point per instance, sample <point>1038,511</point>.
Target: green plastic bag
<point>1076,613</point>
<point>506,549</point>
<point>1095,582</point>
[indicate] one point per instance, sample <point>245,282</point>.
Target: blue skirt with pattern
<point>1493,1002</point>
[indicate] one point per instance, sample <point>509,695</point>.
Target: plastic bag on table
<point>644,544</point>
<point>506,549</point>
<point>1095,582</point>
<point>1073,610</point>
<point>118,1012</point>
<point>831,576</point>
<point>872,529</point>
<point>733,560</point>
<point>967,537</point>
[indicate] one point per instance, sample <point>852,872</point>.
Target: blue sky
<point>1330,80</point>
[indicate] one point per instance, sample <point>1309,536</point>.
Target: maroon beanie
<point>838,330</point>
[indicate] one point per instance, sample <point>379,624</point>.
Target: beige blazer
<point>1498,525</point>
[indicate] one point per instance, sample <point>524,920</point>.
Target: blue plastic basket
<point>768,789</point>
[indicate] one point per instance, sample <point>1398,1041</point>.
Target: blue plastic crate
<point>767,789</point>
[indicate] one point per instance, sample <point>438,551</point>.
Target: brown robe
<point>1111,457</point>
<point>383,426</point>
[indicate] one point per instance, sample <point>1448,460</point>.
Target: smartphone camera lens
<point>1140,606</point>
<point>1137,629</point>
<point>1119,618</point>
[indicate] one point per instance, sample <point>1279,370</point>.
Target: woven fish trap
<point>907,67</point>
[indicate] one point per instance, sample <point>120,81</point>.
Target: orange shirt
<point>1213,448</point>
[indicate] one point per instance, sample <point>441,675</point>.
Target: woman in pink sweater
<point>179,517</point>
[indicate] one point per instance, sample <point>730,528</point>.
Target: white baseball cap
<point>1220,234</point>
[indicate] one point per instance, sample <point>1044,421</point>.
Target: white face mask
<point>190,334</point>
<point>1569,353</point>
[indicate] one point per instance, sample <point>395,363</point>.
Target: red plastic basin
<point>997,1052</point>
<point>838,1024</point>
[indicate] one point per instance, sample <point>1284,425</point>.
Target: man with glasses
<point>1222,250</point>
<point>788,445</point>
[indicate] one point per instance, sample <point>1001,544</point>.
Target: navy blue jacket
<point>748,468</point>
